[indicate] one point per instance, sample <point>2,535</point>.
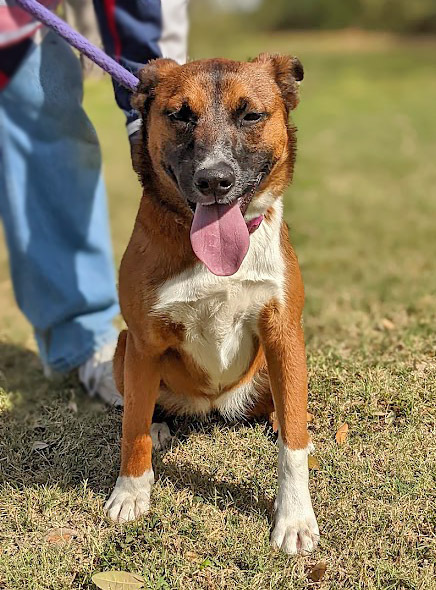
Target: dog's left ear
<point>288,72</point>
<point>149,78</point>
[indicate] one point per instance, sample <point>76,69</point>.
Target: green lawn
<point>362,214</point>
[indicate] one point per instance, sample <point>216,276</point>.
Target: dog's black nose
<point>216,181</point>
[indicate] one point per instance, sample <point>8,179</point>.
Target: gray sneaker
<point>97,378</point>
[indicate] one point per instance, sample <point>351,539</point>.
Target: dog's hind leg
<point>118,363</point>
<point>263,405</point>
<point>160,435</point>
<point>159,430</point>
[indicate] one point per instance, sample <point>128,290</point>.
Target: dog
<point>210,287</point>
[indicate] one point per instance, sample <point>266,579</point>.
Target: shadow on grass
<point>20,368</point>
<point>208,489</point>
<point>52,434</point>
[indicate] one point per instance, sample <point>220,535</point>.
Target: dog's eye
<point>183,115</point>
<point>252,118</point>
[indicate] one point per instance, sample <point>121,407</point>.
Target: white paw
<point>293,534</point>
<point>295,528</point>
<point>130,498</point>
<point>160,435</point>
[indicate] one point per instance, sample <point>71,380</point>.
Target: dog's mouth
<point>220,236</point>
<point>219,233</point>
<point>247,197</point>
<point>192,205</point>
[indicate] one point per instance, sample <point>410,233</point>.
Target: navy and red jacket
<point>130,31</point>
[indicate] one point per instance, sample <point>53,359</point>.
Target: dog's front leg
<point>131,495</point>
<point>295,529</point>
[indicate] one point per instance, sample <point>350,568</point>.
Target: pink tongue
<point>219,237</point>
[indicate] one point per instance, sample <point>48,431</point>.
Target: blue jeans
<point>53,206</point>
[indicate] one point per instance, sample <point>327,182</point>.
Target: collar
<point>253,224</point>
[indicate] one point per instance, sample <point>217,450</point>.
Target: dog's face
<point>217,128</point>
<point>216,131</point>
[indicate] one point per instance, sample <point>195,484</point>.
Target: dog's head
<point>216,139</point>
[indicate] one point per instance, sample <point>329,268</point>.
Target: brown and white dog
<point>210,287</point>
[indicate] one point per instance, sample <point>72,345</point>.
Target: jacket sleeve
<point>134,32</point>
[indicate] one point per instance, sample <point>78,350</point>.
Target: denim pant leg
<point>53,205</point>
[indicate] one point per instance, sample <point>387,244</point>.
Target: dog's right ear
<point>149,78</point>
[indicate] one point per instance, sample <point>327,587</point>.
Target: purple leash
<point>109,65</point>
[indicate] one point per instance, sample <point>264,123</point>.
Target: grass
<point>361,212</point>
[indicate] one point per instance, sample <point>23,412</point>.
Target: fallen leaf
<point>118,581</point>
<point>341,434</point>
<point>313,462</point>
<point>38,445</point>
<point>61,535</point>
<point>387,324</point>
<point>309,417</point>
<point>316,574</point>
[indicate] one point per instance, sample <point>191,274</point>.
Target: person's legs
<point>53,205</point>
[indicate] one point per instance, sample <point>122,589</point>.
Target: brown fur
<point>283,342</point>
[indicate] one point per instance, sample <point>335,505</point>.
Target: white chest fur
<point>220,314</point>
